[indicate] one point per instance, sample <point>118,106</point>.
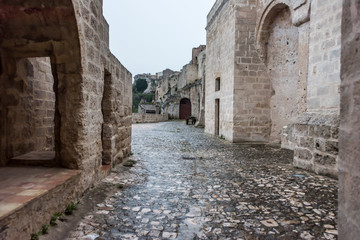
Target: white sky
<point>148,36</point>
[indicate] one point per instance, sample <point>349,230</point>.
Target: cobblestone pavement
<point>189,185</point>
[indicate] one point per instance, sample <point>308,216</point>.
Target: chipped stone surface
<point>227,191</point>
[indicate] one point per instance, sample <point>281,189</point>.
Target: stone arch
<point>278,40</point>
<point>269,12</point>
<point>185,108</point>
<point>32,29</point>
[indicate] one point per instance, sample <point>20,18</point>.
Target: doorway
<point>217,117</point>
<point>185,108</point>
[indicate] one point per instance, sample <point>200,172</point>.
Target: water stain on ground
<point>189,185</point>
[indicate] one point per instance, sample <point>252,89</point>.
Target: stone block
<point>332,147</point>
<point>319,144</point>
<point>304,154</point>
<point>335,132</point>
<point>301,129</point>
<point>323,159</point>
<point>322,131</point>
<point>306,142</point>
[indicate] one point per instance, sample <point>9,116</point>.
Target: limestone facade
<point>149,118</point>
<point>349,139</point>
<point>61,89</point>
<point>187,84</point>
<point>277,64</point>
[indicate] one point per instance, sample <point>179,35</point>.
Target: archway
<point>185,108</point>
<point>27,37</point>
<point>279,40</point>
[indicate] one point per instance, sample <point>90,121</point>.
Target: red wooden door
<point>185,108</point>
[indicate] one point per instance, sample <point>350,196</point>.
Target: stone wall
<point>314,138</point>
<point>220,46</point>
<point>31,110</point>
<point>112,117</point>
<point>273,59</point>
<point>188,83</point>
<point>87,115</point>
<point>324,56</point>
<point>252,87</point>
<point>149,118</point>
<point>349,164</point>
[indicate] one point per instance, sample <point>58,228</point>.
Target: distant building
<point>148,109</point>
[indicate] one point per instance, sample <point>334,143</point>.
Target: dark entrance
<point>185,108</point>
<point>217,117</point>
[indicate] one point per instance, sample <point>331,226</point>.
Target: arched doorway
<point>278,42</point>
<point>185,108</point>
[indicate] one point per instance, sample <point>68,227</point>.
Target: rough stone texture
<point>349,139</point>
<point>282,66</point>
<point>220,47</point>
<point>324,56</point>
<point>36,205</point>
<point>188,83</point>
<point>264,53</point>
<point>92,89</point>
<point>149,118</point>
<point>30,113</point>
<point>314,139</point>
<point>200,187</point>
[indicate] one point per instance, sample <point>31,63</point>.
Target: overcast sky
<point>148,36</point>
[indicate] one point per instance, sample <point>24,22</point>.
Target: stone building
<point>273,75</point>
<point>349,138</point>
<point>65,102</point>
<point>148,109</point>
<point>181,93</point>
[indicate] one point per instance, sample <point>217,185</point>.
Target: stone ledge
<point>30,196</point>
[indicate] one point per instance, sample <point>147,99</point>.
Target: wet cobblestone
<point>189,185</point>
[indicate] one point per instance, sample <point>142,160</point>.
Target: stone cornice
<point>215,11</point>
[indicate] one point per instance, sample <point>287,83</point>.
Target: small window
<point>217,84</point>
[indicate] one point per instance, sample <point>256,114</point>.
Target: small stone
<point>270,223</point>
<point>146,210</point>
<point>335,232</point>
<point>136,209</point>
<point>104,212</point>
<point>169,235</point>
<point>154,233</point>
<point>145,220</point>
<point>328,226</point>
<point>306,235</point>
<point>229,224</point>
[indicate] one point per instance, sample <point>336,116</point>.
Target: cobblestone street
<point>189,185</point>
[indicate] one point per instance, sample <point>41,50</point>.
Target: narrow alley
<point>189,185</point>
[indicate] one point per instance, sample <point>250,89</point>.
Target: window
<point>217,84</point>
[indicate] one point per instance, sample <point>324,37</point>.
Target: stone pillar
<point>349,139</point>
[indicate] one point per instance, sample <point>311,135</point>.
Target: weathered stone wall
<point>201,61</point>
<point>149,118</point>
<point>252,87</point>
<point>349,164</point>
<point>113,117</point>
<point>193,92</point>
<point>280,52</point>
<point>324,56</point>
<point>188,83</point>
<point>317,150</point>
<point>91,89</point>
<point>31,110</point>
<point>314,138</point>
<point>220,45</point>
<point>282,66</point>
<point>188,74</point>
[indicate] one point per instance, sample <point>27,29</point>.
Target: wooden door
<point>185,108</point>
